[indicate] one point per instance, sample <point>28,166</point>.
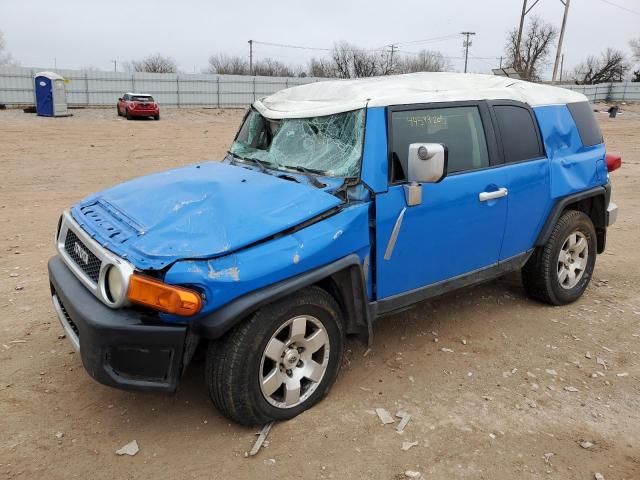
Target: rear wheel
<point>279,362</point>
<point>559,272</point>
<point>156,117</point>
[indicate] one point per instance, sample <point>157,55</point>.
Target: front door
<point>459,226</point>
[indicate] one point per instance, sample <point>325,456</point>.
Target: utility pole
<point>525,12</point>
<point>561,66</point>
<point>250,57</point>
<point>466,44</point>
<point>500,61</point>
<point>559,51</point>
<point>393,49</point>
<point>115,65</point>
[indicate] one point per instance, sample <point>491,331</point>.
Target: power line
<point>621,7</point>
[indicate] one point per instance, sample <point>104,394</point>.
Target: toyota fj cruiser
<point>338,202</point>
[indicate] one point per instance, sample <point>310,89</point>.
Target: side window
<point>460,129</point>
<point>519,133</point>
<point>586,122</point>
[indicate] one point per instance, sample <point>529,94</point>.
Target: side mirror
<point>120,99</point>
<point>427,162</point>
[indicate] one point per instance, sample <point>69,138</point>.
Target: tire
<point>118,110</point>
<point>238,365</point>
<point>156,117</point>
<point>571,247</point>
<point>129,117</point>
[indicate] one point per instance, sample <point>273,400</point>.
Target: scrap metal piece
<point>261,439</point>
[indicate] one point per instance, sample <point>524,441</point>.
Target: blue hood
<point>199,211</point>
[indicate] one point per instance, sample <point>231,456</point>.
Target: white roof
<point>336,96</point>
<point>51,75</point>
<point>138,94</point>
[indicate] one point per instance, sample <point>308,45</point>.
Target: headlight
<point>114,285</point>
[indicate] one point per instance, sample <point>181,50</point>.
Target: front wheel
<point>559,272</point>
<point>128,115</point>
<point>280,361</point>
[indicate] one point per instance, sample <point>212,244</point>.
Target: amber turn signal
<point>158,295</point>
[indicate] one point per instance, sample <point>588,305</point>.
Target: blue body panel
<point>44,96</point>
<point>375,166</point>
<point>573,167</point>
<point>198,211</point>
<point>449,234</point>
<point>226,278</point>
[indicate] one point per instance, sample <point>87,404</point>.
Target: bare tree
<point>155,63</point>
<point>423,61</point>
<point>321,67</point>
<point>272,68</point>
<point>5,57</point>
<point>535,48</point>
<point>228,65</point>
<point>350,61</point>
<point>610,66</point>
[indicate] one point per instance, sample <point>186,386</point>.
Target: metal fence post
<point>86,87</point>
<point>624,91</point>
<point>133,82</point>
<point>178,90</point>
<point>218,91</point>
<point>595,95</point>
<point>254,89</point>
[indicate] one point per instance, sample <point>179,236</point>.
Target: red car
<point>132,105</point>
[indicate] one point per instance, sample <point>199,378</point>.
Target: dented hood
<point>199,211</point>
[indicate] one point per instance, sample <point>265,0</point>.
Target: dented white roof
<point>336,96</point>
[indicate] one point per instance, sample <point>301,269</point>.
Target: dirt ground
<point>494,408</point>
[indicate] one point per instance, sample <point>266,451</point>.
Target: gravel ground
<point>515,398</point>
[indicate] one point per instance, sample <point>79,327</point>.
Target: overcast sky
<point>80,33</point>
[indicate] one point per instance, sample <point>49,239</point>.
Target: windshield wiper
<point>309,173</point>
<point>261,165</point>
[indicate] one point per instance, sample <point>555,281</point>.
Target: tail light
<point>614,161</point>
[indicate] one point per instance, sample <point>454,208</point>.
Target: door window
<point>519,133</point>
<point>460,129</point>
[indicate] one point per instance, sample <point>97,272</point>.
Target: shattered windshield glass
<point>329,145</point>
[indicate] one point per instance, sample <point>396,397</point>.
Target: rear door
<point>526,169</point>
<point>456,229</point>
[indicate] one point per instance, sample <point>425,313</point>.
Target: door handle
<point>485,196</point>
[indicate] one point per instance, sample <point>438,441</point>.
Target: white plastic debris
<point>270,461</point>
<point>571,389</point>
<point>404,420</point>
<point>447,350</point>
<point>59,435</point>
<point>413,474</point>
<point>407,445</point>
<point>130,449</point>
<point>625,374</point>
<point>601,361</point>
<point>599,476</point>
<point>586,444</point>
<point>384,416</point>
<point>262,436</point>
<point>547,457</point>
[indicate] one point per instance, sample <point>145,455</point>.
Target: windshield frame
<point>295,168</point>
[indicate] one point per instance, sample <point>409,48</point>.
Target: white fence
<point>617,92</point>
<point>95,88</point>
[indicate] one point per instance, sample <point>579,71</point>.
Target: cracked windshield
<point>329,145</point>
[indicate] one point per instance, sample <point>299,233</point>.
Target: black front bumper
<point>121,348</point>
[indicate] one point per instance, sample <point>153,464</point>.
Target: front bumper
<point>122,348</point>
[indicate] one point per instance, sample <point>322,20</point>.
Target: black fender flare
<point>345,276</point>
<point>597,212</point>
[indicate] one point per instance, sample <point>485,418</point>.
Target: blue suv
<point>339,202</point>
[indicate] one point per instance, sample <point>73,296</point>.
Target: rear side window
<point>459,128</point>
<point>586,122</point>
<point>519,133</point>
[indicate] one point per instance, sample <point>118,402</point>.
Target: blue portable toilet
<point>51,96</point>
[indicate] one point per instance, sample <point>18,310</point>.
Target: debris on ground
<point>262,436</point>
<point>447,350</point>
<point>130,449</point>
<point>550,371</point>
<point>601,361</point>
<point>413,474</point>
<point>407,445</point>
<point>59,435</point>
<point>599,476</point>
<point>270,461</point>
<point>547,457</point>
<point>404,420</point>
<point>571,389</point>
<point>625,374</point>
<point>384,416</point>
<point>586,444</point>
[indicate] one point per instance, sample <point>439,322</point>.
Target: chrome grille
<point>82,256</point>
